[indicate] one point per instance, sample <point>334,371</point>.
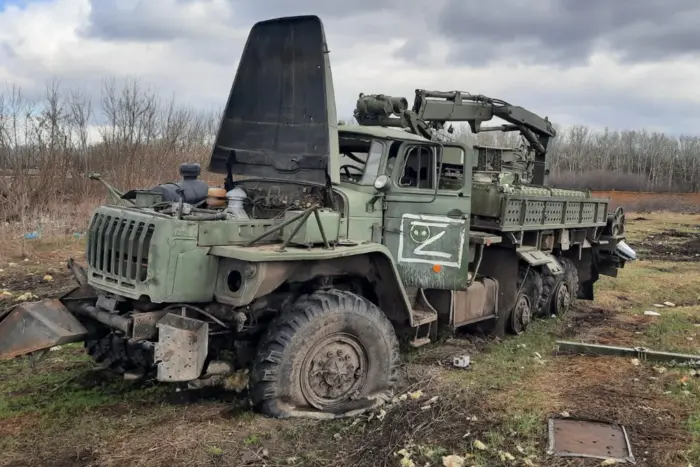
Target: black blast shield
<point>280,118</point>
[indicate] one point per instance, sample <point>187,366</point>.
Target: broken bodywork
<point>327,245</point>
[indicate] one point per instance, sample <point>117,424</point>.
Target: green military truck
<point>333,242</point>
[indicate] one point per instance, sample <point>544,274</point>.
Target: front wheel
<point>330,353</point>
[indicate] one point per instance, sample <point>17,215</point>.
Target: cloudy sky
<point>624,64</point>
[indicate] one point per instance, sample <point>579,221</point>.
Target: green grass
<point>64,384</point>
<point>512,387</point>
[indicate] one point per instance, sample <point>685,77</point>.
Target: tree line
<point>135,138</point>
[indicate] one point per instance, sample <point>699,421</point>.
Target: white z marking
<point>419,250</point>
<point>419,254</point>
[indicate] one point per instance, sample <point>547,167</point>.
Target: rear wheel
<point>529,293</point>
<point>566,289</point>
<point>330,353</point>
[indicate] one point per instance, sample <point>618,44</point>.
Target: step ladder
<point>424,315</point>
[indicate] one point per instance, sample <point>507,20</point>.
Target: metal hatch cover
<point>280,120</point>
<point>587,438</point>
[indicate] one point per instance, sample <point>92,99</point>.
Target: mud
<point>670,245</point>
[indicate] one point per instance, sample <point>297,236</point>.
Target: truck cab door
<point>430,248</point>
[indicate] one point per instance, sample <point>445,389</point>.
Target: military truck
<point>328,244</point>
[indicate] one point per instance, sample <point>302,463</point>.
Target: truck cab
<point>412,195</point>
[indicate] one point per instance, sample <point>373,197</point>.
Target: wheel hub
<point>521,314</point>
<point>563,299</point>
<point>333,371</point>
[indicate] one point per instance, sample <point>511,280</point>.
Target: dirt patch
<point>671,245</point>
<point>603,388</point>
<point>16,424</point>
<point>582,318</point>
<point>600,326</point>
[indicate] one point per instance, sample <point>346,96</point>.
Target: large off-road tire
<point>566,289</point>
<point>329,353</point>
<point>529,292</point>
<point>549,283</point>
<point>116,353</point>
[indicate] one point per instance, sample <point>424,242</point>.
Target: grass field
<point>64,412</point>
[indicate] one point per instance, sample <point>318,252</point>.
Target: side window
<point>391,158</point>
<point>360,159</point>
<point>419,168</point>
<point>452,170</point>
<point>374,160</point>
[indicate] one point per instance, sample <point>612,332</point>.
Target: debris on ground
<point>669,358</point>
<point>479,445</point>
<point>453,461</point>
<point>593,439</point>
<point>461,361</point>
<point>25,297</point>
<point>652,313</point>
<point>506,456</point>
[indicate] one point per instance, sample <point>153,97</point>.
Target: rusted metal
<point>586,438</point>
<point>144,324</point>
<point>112,320</point>
<point>641,353</point>
<point>477,303</point>
<point>183,344</point>
<point>35,326</point>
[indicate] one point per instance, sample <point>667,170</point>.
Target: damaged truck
<point>328,244</point>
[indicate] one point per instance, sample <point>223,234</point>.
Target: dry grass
<point>65,414</point>
<point>653,202</point>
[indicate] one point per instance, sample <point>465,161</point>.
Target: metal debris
<point>584,438</point>
<point>462,361</point>
<point>641,353</point>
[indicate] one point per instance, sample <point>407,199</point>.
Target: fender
<point>378,255</point>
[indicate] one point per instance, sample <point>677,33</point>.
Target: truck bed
<point>535,208</point>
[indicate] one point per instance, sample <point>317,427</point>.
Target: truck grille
<point>117,249</point>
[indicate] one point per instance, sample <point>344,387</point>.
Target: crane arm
<point>432,109</point>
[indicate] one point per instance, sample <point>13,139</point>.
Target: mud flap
<point>183,344</point>
<point>35,326</point>
<point>535,257</point>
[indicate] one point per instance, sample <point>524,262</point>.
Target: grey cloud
<point>157,20</point>
<point>563,34</point>
<point>145,20</point>
<point>605,107</point>
<point>568,31</point>
<point>214,38</point>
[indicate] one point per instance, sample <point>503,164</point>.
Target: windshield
<point>360,158</point>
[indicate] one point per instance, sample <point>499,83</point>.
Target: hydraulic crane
<point>433,109</point>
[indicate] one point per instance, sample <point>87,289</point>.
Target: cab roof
<point>380,132</point>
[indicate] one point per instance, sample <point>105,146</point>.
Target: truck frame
<point>328,244</point>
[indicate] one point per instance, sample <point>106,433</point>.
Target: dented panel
<point>183,344</point>
<point>38,326</point>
